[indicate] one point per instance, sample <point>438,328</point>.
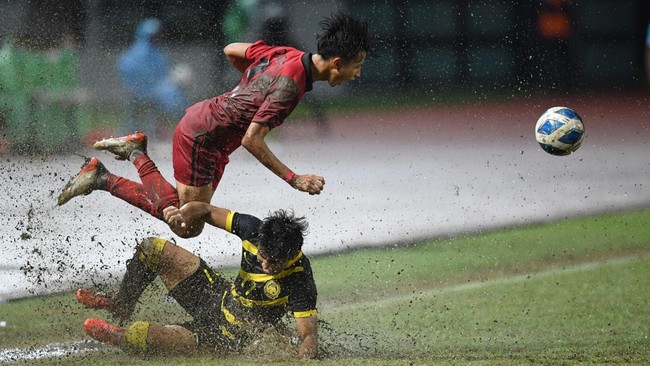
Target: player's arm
<point>236,53</point>
<point>308,331</point>
<point>194,211</point>
<point>254,142</point>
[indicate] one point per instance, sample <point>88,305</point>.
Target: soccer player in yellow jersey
<point>275,277</point>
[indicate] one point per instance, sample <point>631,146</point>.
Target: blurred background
<point>434,141</point>
<point>59,64</point>
<point>436,138</point>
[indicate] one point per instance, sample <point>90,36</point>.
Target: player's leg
<point>152,196</point>
<point>155,193</point>
<point>176,264</point>
<point>198,289</point>
<point>198,171</point>
<point>157,256</point>
<point>170,339</point>
<point>149,260</point>
<point>200,295</point>
<point>192,283</point>
<point>143,337</point>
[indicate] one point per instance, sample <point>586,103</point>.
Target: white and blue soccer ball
<point>559,131</point>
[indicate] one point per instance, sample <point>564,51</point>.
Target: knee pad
<point>136,336</point>
<point>150,251</point>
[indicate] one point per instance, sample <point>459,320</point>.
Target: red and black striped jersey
<point>270,88</point>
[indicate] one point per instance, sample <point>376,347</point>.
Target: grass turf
<point>569,292</point>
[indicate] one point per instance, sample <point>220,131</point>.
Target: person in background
<point>153,96</point>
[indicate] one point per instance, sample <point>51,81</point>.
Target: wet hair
<point>343,36</point>
<point>281,235</point>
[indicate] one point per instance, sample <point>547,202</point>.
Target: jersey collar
<point>306,63</point>
<point>293,260</point>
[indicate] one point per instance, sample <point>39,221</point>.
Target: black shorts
<point>200,295</point>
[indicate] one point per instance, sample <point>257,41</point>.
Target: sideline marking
<point>49,351</point>
<point>479,284</point>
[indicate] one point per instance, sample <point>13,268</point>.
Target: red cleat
<point>94,300</point>
<point>123,146</point>
<point>84,182</point>
<point>104,332</point>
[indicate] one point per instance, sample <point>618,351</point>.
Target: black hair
<point>344,36</point>
<point>281,235</point>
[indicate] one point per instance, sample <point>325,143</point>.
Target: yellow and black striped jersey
<point>257,296</point>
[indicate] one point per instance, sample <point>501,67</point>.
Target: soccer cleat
<point>104,332</point>
<point>94,300</point>
<point>123,146</point>
<point>84,182</point>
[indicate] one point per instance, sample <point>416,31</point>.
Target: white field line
<point>52,350</point>
<point>388,301</point>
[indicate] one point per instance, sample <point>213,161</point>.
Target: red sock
<point>152,196</point>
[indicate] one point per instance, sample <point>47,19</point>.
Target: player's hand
<point>174,216</point>
<point>313,184</point>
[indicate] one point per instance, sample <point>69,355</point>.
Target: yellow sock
<point>150,250</point>
<point>136,336</point>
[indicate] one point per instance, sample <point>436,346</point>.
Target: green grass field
<point>571,292</point>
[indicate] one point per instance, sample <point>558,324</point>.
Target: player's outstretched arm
<point>254,142</point>
<point>236,53</point>
<point>196,211</point>
<point>308,331</point>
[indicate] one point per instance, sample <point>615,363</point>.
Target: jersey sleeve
<point>257,50</point>
<point>302,303</point>
<point>279,103</point>
<point>243,225</point>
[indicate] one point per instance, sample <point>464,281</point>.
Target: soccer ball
<point>559,131</point>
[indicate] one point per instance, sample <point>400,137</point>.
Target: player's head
<point>345,42</point>
<point>149,30</point>
<point>280,238</point>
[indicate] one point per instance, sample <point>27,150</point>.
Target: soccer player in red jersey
<point>274,79</point>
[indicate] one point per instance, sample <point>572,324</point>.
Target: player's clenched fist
<point>313,184</point>
<point>174,216</point>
